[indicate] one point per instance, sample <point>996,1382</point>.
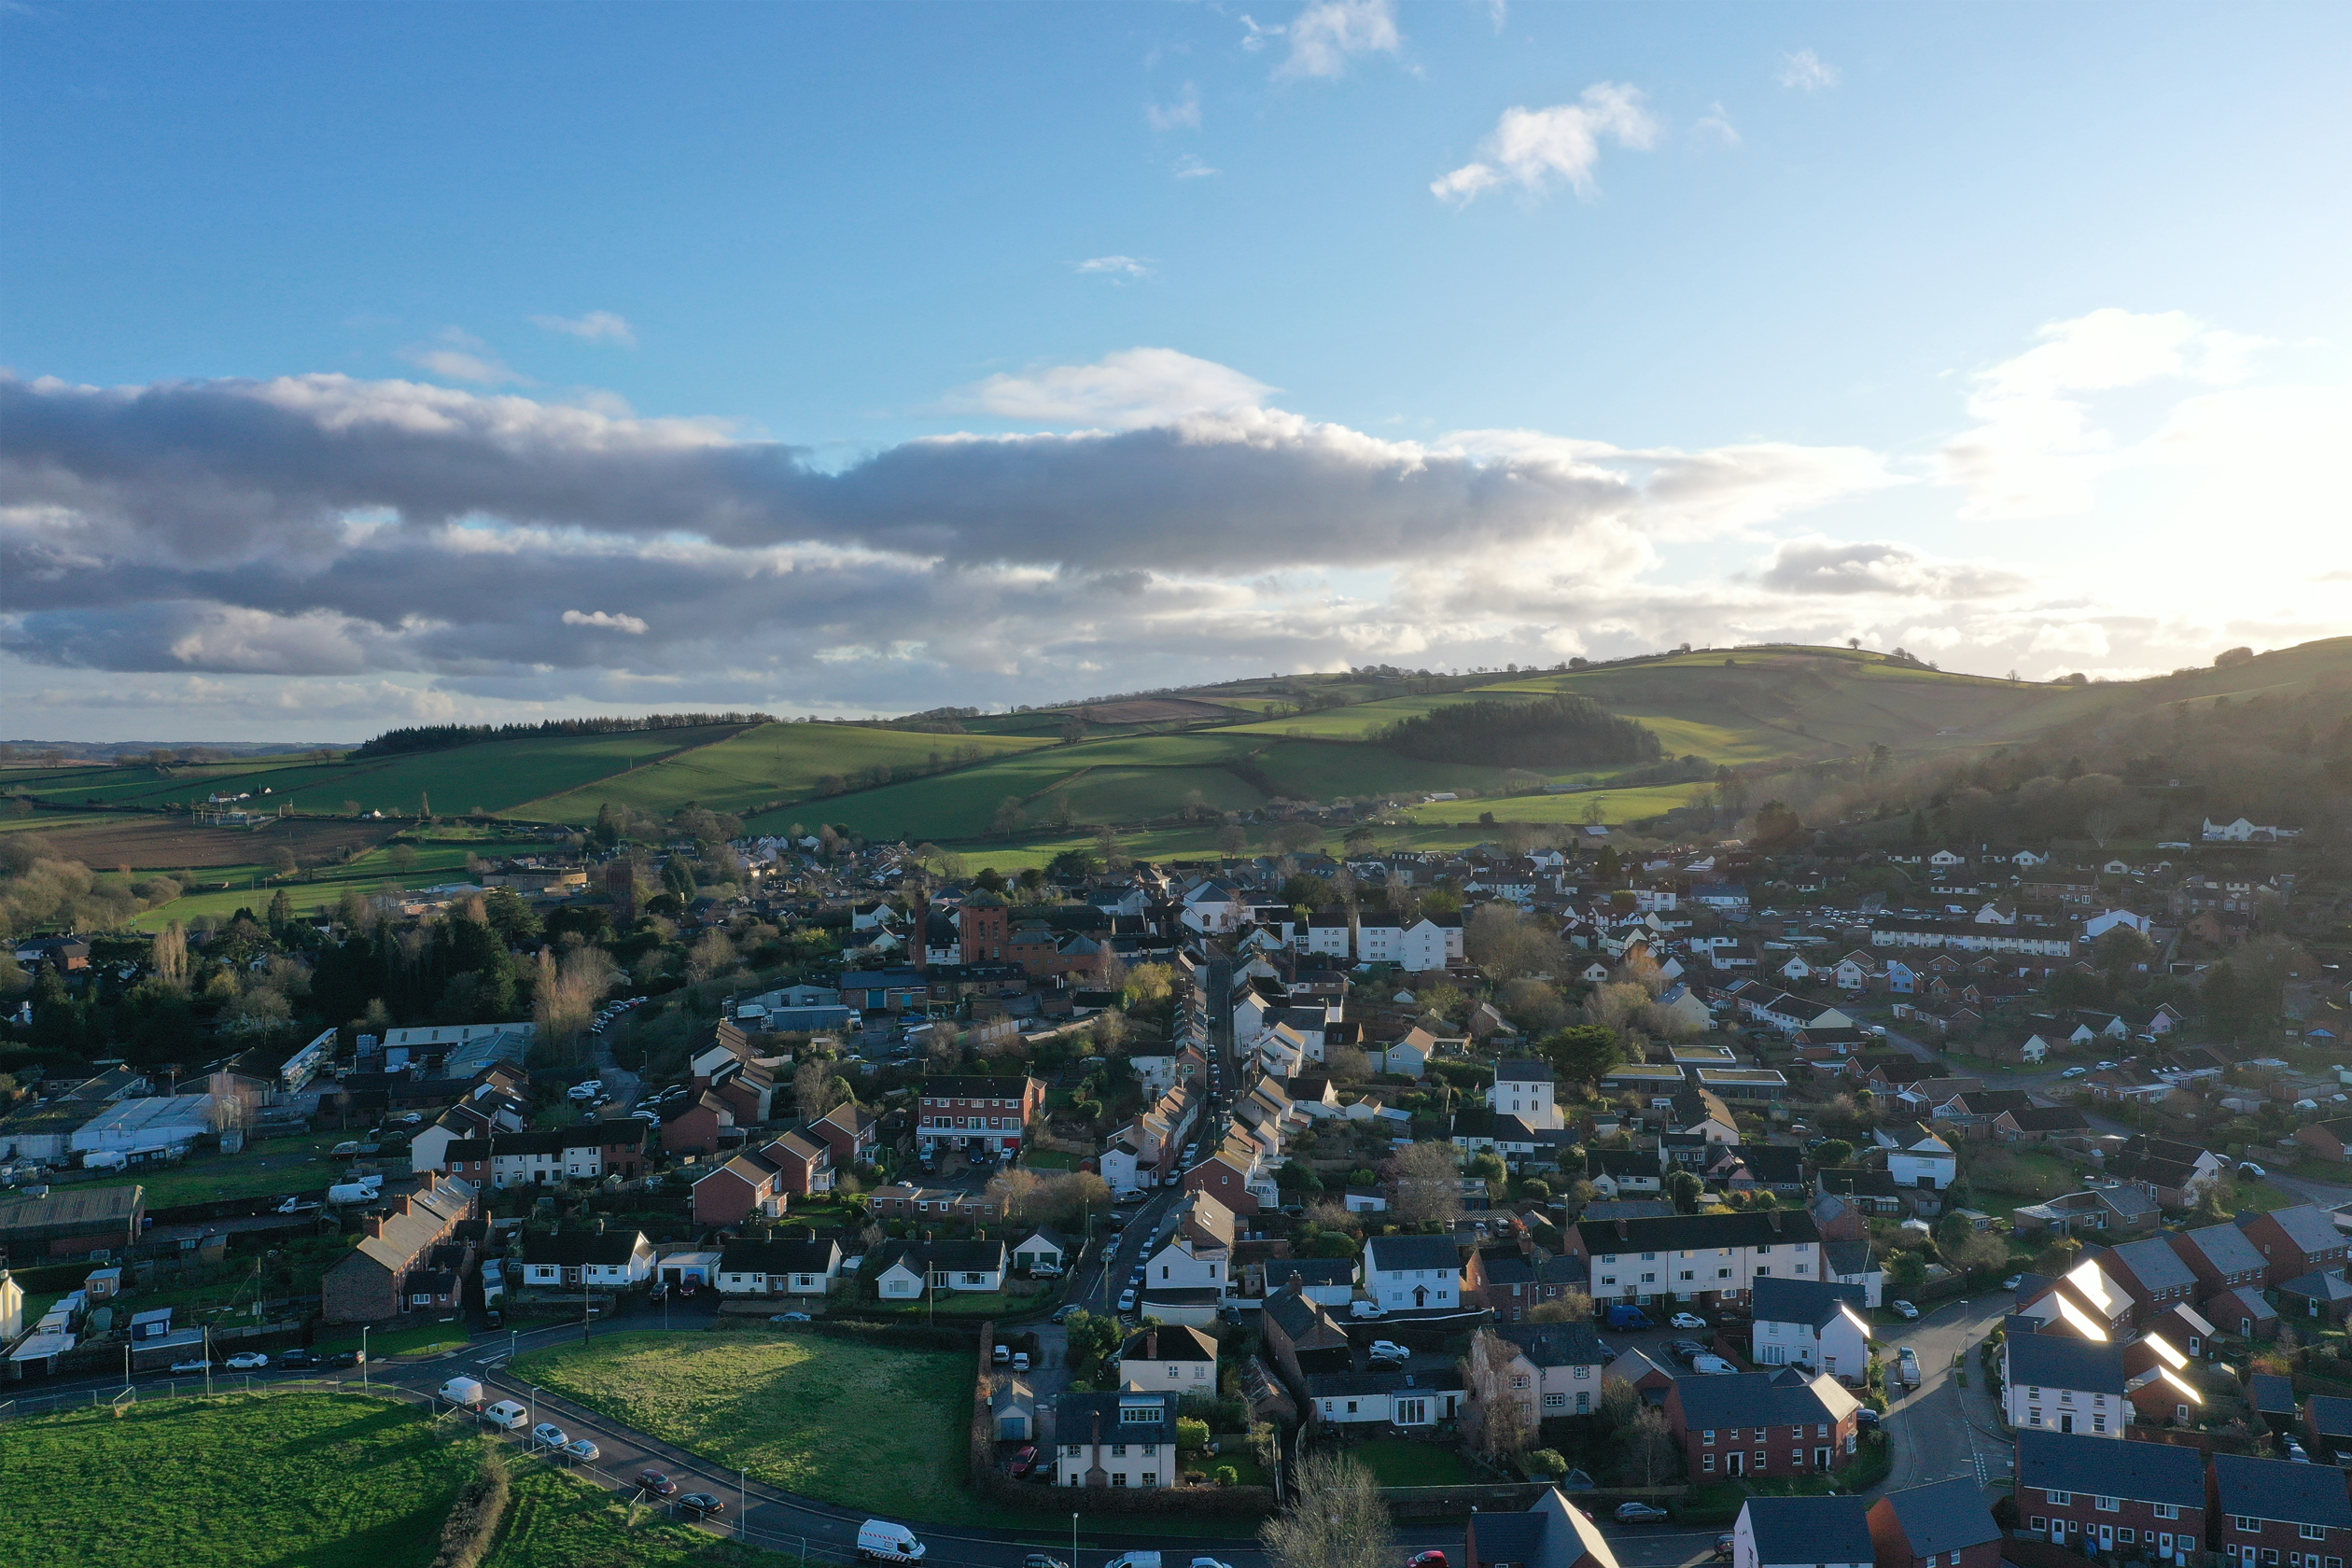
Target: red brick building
<point>696,1128</point>
<point>1752,1424</point>
<point>984,927</point>
<point>977,1113</point>
<point>1945,1524</point>
<point>2100,1494</point>
<point>395,1264</point>
<point>2272,1512</point>
<point>2295,1241</point>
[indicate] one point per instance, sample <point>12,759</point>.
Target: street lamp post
<point>363,1353</point>
<point>743,1505</point>
<point>1073,1539</point>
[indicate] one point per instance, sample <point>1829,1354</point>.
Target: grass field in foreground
<point>859,1426</point>
<point>557,1521</point>
<point>301,1481</point>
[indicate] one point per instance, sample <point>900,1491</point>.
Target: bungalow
<point>2038,1124</point>
<point>906,1269</point>
<point>614,1259</point>
<point>779,1267</point>
<point>1386,1398</point>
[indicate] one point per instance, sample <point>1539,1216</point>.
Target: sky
<point>373,365</point>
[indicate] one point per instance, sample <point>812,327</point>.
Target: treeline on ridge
<point>1563,730</point>
<point>432,737</point>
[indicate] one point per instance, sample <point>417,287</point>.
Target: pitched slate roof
<point>1813,1302</point>
<point>2307,1226</point>
<point>1748,1228</point>
<point>1168,1342</point>
<point>1810,1531</point>
<point>2270,1394</point>
<point>2062,1361</point>
<point>2047,1118</point>
<point>2331,1417</point>
<point>1943,1516</point>
<point>2155,1265</point>
<point>780,1257</point>
<point>1753,1399</point>
<point>2277,1489</point>
<point>1411,1252</point>
<point>575,1249</point>
<point>2108,1467</point>
<point>2225,1247</point>
<point>1557,1344</point>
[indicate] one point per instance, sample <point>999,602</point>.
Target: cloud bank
<point>275,550</point>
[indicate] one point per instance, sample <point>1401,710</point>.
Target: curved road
<point>782,1520</point>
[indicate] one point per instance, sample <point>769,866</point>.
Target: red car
<point>1024,1462</point>
<point>1427,1559</point>
<point>656,1483</point>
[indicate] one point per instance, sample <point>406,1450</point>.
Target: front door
<point>2066,1422</point>
<point>1821,1458</point>
<point>1735,1463</point>
<point>2107,1537</point>
<point>1420,1295</point>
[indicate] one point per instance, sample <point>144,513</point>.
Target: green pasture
<point>314,891</point>
<point>766,763</point>
<point>297,1481</point>
<point>1628,805</point>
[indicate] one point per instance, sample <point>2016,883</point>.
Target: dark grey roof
<point>1943,1516</point>
<point>2155,1265</point>
<point>1520,1070</point>
<point>2062,1361</point>
<point>1812,1531</point>
<point>1847,1257</point>
<point>1168,1342</point>
<point>1811,1302</point>
<point>2112,1468</point>
<point>780,1257</point>
<point>1411,1252</point>
<point>1300,1317</point>
<point>1324,1385</point>
<point>2225,1248</point>
<point>2044,1118</point>
<point>1749,1229</point>
<point>1558,1344</point>
<point>2307,1226</point>
<point>2324,1285</point>
<point>2331,1417</point>
<point>2277,1489</point>
<point>1074,1418</point>
<point>1753,1399</point>
<point>2271,1393</point>
<point>577,1248</point>
<point>917,1255</point>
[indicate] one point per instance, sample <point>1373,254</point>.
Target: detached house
<point>1562,1364</point>
<point>2060,1383</point>
<point>1803,1532</point>
<point>1816,1324</point>
<point>1752,1424</point>
<point>612,1259</point>
<point>768,1268</point>
<point>1123,1439</point>
<point>906,1269</point>
<point>2295,1241</point>
<point>1170,1357</point>
<point>1413,1273</point>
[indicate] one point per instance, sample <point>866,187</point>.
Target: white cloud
<point>605,621</point>
<point>2035,451</point>
<point>1807,71</point>
<point>1326,36</point>
<point>1183,114</point>
<point>594,327</point>
<point>1715,126</point>
<point>1122,267</point>
<point>455,355</point>
<point>1127,390</point>
<point>1534,148</point>
<point>1815,565</point>
<point>1189,167</point>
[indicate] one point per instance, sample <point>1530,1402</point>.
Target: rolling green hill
<point>1160,761</point>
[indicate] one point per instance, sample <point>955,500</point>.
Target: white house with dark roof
<point>2060,1382</point>
<point>1413,1273</point>
<point>1814,1324</point>
<point>1523,1088</point>
<point>1803,1532</point>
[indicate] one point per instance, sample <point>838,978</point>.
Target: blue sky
<point>396,362</point>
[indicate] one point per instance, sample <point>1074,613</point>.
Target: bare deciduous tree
<point>1428,1185</point>
<point>1336,1518</point>
<point>1502,1418</point>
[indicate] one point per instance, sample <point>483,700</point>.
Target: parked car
<point>1062,1314</point>
<point>2074,1072</point>
<point>199,1365</point>
<point>297,1358</point>
<point>1024,1462</point>
<point>2247,1168</point>
<point>1208,1563</point>
<point>656,1483</point>
<point>247,1361</point>
<point>2296,1454</point>
<point>1906,1364</point>
<point>1713,1366</point>
<point>580,1450</point>
<point>791,1317</point>
<point>1723,1548</point>
<point>2013,1282</point>
<point>1001,1356</point>
<point>1426,1559</point>
<point>1903,1310</point>
<point>1366,1309</point>
<point>1865,1416</point>
<point>1686,1351</point>
<point>506,1414</point>
<point>1639,1513</point>
<point>1020,1361</point>
<point>1388,1350</point>
<point>1039,1560</point>
<point>547,1435</point>
<point>702,1505</point>
<point>346,1358</point>
<point>1127,1300</point>
<point>1685,1319</point>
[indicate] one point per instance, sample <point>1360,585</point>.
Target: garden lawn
<point>296,1480</point>
<point>267,1168</point>
<point>864,1426</point>
<point>1400,1462</point>
<point>422,1339</point>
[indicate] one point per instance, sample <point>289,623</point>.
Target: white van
<point>881,1541</point>
<point>507,1416</point>
<point>462,1390</point>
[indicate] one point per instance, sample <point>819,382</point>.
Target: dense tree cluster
<point>1557,731</point>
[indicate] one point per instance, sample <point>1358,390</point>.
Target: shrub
<point>1228,1475</point>
<point>1544,1461</point>
<point>1190,1434</point>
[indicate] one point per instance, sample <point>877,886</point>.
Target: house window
<point>2244,1523</point>
<point>2105,1505</point>
<point>2311,1532</point>
<point>1707,1463</point>
<point>2040,1523</point>
<point>2166,1510</point>
<point>1555,1402</point>
<point>1710,1437</point>
<point>1118,1450</point>
<point>2058,1499</point>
